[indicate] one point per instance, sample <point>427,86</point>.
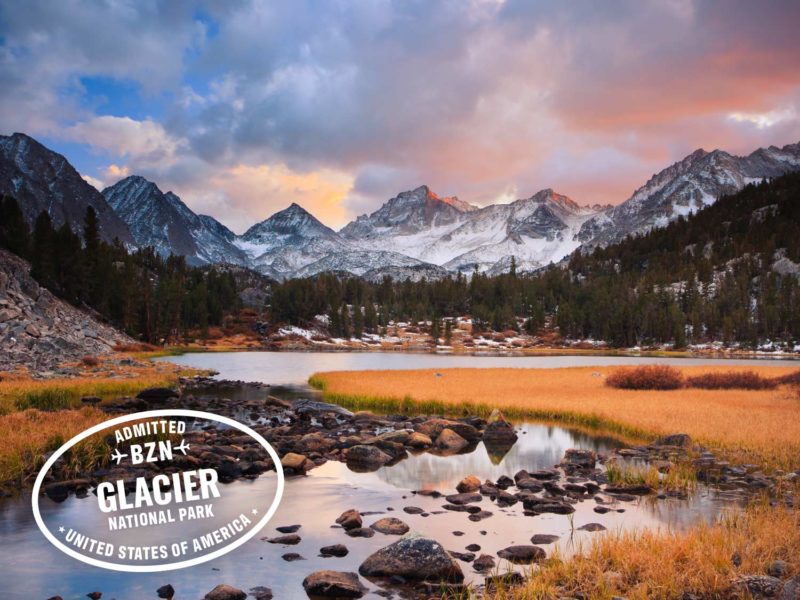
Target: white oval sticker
<point>159,506</point>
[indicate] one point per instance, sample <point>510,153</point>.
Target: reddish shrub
<point>646,377</point>
<point>790,379</point>
<point>90,361</point>
<point>732,380</point>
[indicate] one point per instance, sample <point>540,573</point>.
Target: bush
<point>790,379</point>
<point>732,380</point>
<point>90,361</point>
<point>646,377</point>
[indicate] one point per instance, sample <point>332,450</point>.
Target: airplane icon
<point>183,446</point>
<point>117,455</point>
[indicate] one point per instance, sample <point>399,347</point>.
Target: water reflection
<point>32,568</point>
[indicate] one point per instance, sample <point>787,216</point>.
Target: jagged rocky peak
<point>292,222</point>
<point>41,179</point>
<point>163,221</point>
<point>410,212</point>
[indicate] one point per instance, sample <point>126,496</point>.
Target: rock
<point>682,440</point>
<point>360,532</point>
<point>313,406</point>
<point>480,515</point>
<point>543,538</point>
<point>592,527</point>
<point>633,489</point>
<point>759,586</point>
<point>390,526</point>
<point>499,432</point>
<point>470,483</point>
<point>334,584</point>
<point>419,440</point>
<point>433,429</point>
<point>57,492</point>
<point>581,459</point>
<point>287,540</point>
<point>462,556</point>
<point>261,593</point>
<point>778,568</point>
<point>522,555</point>
<point>292,556</point>
<point>363,458</point>
<point>473,547</point>
<point>449,441</point>
<point>296,463</point>
<point>413,557</point>
<point>157,394</point>
<point>350,519</point>
<point>94,595</point>
<point>335,550</point>
<point>467,498</point>
<point>413,510</point>
<point>484,563</point>
<point>91,400</point>
<point>288,528</point>
<point>791,589</point>
<point>277,402</point>
<point>225,592</point>
<point>166,592</point>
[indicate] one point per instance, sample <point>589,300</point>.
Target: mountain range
<point>415,234</point>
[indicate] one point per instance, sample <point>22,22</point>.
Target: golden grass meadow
<point>760,426</point>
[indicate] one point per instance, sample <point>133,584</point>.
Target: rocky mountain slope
<point>685,187</point>
<point>39,331</point>
<point>163,221</point>
<point>41,179</point>
<point>417,233</point>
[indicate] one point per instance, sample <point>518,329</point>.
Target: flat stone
<point>544,538</point>
<point>334,584</point>
<point>522,555</point>
<point>390,526</point>
<point>225,592</point>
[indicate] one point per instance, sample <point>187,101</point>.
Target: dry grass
<point>28,436</point>
<point>657,565</point>
<point>751,426</point>
<point>55,394</point>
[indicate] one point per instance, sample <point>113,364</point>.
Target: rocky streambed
<point>394,505</point>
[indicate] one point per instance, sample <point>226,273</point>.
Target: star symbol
<point>254,511</point>
<point>183,446</point>
<point>61,530</point>
<point>117,455</point>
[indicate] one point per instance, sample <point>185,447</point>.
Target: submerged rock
<point>413,557</point>
<point>334,584</point>
<point>166,592</point>
<point>522,555</point>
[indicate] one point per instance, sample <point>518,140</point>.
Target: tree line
<point>152,298</point>
<point>706,277</point>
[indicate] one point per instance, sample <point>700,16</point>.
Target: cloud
<point>339,106</point>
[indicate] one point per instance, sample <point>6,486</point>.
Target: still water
<point>32,568</point>
<point>294,368</point>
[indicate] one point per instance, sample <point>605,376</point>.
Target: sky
<point>243,107</point>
